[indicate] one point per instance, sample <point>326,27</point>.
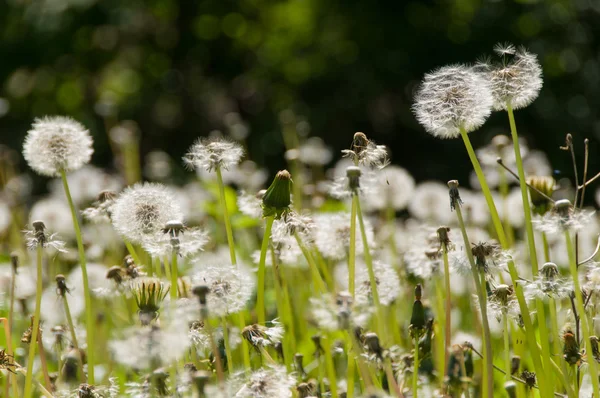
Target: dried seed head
<point>443,234</point>
<point>61,285</point>
<point>353,173</point>
<point>201,291</point>
<point>529,378</point>
<point>213,153</point>
<point>14,261</point>
<point>262,336</point>
<point>452,98</point>
<point>55,144</point>
<point>365,152</point>
<point>373,345</point>
<point>454,194</point>
<point>549,271</point>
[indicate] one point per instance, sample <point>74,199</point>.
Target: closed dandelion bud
<point>540,203</point>
<point>511,389</point>
<point>571,351</point>
<point>14,262</point>
<point>417,319</point>
<point>515,364</point>
<point>277,199</point>
<point>425,342</point>
<point>148,295</point>
<point>61,285</point>
<point>56,144</point>
<point>373,345</point>
<point>353,173</point>
<point>455,199</point>
<point>298,359</point>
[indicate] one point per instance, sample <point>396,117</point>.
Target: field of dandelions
<point>352,281</point>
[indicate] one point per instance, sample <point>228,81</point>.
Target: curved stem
<point>228,229</point>
<point>35,326</point>
<point>260,294</point>
<point>89,312</point>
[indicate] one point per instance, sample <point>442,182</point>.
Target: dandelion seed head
<point>392,187</point>
<point>231,286</point>
<point>212,153</point>
<point>187,243</point>
<point>332,235</point>
<point>452,98</point>
<point>386,279</point>
<point>251,205</point>
<point>314,152</point>
<point>365,152</point>
<point>55,144</point>
<point>86,184</point>
<point>267,382</point>
<point>429,202</point>
<point>143,210</point>
<point>262,336</point>
<point>517,80</point>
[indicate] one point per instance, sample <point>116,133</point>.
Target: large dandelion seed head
<point>213,153</point>
<point>142,210</point>
<point>55,144</point>
<point>452,98</point>
<point>516,80</point>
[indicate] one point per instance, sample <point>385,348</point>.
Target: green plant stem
<point>12,378</point>
<point>585,328</point>
<point>329,364</point>
<point>156,265</point>
<point>463,371</point>
<point>415,378</point>
<point>546,247</point>
<point>439,336</point>
<point>244,345</point>
<point>554,330</point>
<point>260,294</point>
<point>174,278</point>
<point>316,275</point>
<point>352,250</point>
<point>448,299</point>
<point>42,389</point>
<point>89,311</point>
<point>507,360</point>
<point>488,369</point>
<point>532,342</point>
<point>226,219</point>
<point>73,334</point>
<point>350,370</point>
<point>227,345</point>
<point>36,325</point>
<point>133,254</point>
<point>544,340</point>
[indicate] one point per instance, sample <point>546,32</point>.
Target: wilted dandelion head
<point>267,382</point>
<point>143,210</point>
<point>213,153</point>
<point>55,144</point>
<point>365,152</point>
<point>515,81</point>
<point>452,98</point>
<point>229,287</point>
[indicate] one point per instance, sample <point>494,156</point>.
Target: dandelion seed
<point>37,237</point>
<point>56,144</point>
<point>516,81</point>
<point>547,284</point>
<point>452,98</point>
<point>213,153</point>
<point>143,210</point>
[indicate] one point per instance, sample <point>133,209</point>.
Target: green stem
<point>35,326</point>
<point>544,340</point>
<point>260,294</point>
<point>585,327</point>
<point>227,346</point>
<point>448,295</point>
<point>330,366</point>
<point>350,370</point>
<point>174,277</point>
<point>507,360</point>
<point>463,370</point>
<point>367,255</point>
<point>244,345</point>
<point>556,344</point>
<point>73,334</point>
<point>489,376</point>
<point>133,254</point>
<point>89,312</point>
<point>524,194</point>
<point>156,265</point>
<point>415,378</point>
<point>352,251</point>
<point>316,275</point>
<point>532,342</point>
<point>228,229</point>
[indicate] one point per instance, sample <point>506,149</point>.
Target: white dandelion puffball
<point>213,153</point>
<point>143,210</point>
<point>55,144</point>
<point>452,98</point>
<point>517,80</point>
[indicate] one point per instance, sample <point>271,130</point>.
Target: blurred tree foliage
<point>183,68</point>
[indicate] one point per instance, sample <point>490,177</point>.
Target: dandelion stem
<point>489,376</point>
<point>592,366</point>
<point>174,277</point>
<point>228,229</point>
<point>316,275</point>
<point>352,250</point>
<point>505,331</point>
<point>350,370</point>
<point>447,315</point>
<point>227,345</point>
<point>89,311</point>
<point>554,330</point>
<point>260,294</point>
<point>463,371</point>
<point>44,364</point>
<point>35,325</point>
<point>415,378</point>
<point>330,366</point>
<point>72,332</point>
<point>244,345</point>
<point>11,379</point>
<point>133,254</point>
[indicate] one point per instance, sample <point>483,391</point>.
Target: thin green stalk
<point>42,389</point>
<point>556,344</point>
<point>228,229</point>
<point>350,370</point>
<point>448,297</point>
<point>439,336</point>
<point>12,378</point>
<point>157,266</point>
<point>463,371</point>
<point>535,353</point>
<point>352,250</point>
<point>35,326</point>
<point>174,278</point>
<point>133,254</point>
<point>260,294</point>
<point>585,327</point>
<point>244,345</point>
<point>330,366</point>
<point>544,340</point>
<point>415,378</point>
<point>73,334</point>
<point>507,360</point>
<point>316,275</point>
<point>283,313</point>
<point>546,247</point>
<point>227,345</point>
<point>524,194</point>
<point>489,376</point>
<point>89,312</point>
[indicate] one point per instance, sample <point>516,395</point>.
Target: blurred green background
<point>181,69</point>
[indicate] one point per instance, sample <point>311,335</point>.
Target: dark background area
<point>178,68</point>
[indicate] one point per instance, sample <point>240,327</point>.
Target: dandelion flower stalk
<point>488,368</point>
<point>329,364</point>
<point>260,294</point>
<point>62,290</point>
<point>585,327</point>
<point>36,320</point>
<point>226,218</point>
<point>445,241</point>
<point>352,248</point>
<point>89,313</point>
<point>12,378</point>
